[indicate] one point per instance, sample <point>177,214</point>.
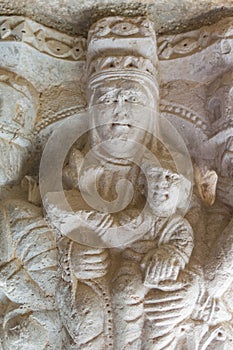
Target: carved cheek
<point>101,115</point>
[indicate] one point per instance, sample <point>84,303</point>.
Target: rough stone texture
<point>75,17</point>
<point>100,264</point>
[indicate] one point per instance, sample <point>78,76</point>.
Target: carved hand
<point>88,262</point>
<point>160,265</point>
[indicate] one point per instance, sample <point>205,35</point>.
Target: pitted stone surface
<point>129,243</point>
<point>75,17</point>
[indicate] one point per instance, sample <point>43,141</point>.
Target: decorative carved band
<point>120,27</point>
<point>186,44</point>
<point>46,121</point>
<point>121,62</point>
<point>165,107</point>
<point>44,39</point>
<point>61,45</point>
<point>184,113</point>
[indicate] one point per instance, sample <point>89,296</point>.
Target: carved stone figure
<point>153,268</point>
<point>155,271</point>
<point>28,258</point>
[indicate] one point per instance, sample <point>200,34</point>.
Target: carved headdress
<point>122,47</point>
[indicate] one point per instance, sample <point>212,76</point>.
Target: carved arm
<point>172,254</point>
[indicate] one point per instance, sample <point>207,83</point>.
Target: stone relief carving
<point>168,284</point>
<point>18,104</point>
<point>174,46</point>
<point>42,38</point>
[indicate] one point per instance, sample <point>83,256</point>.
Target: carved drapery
<point>170,289</point>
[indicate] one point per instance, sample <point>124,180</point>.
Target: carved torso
<point>140,256</point>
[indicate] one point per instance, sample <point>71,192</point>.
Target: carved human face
<point>126,111</point>
<point>163,191</point>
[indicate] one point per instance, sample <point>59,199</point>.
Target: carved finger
<point>175,273</point>
<point>148,273</point>
<point>164,270</point>
<point>181,263</point>
<point>90,274</point>
<point>80,250</point>
<point>169,269</point>
<point>166,319</point>
<point>156,305</point>
<point>166,307</point>
<point>94,259</point>
<point>157,269</point>
<point>100,265</point>
<point>149,278</point>
<point>89,265</point>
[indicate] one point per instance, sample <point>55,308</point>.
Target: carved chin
<point>162,206</point>
<point>120,135</point>
<point>120,147</point>
<point>114,131</point>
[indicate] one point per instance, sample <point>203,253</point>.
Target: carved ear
<point>206,181</point>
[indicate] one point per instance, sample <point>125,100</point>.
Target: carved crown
<point>120,44</point>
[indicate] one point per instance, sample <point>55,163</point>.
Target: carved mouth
<point>162,195</point>
<point>121,125</point>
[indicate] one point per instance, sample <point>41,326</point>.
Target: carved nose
<point>119,112</point>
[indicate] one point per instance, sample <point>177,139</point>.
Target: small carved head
<point>165,190</point>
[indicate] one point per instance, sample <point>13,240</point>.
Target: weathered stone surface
<point>75,17</point>
<point>129,245</point>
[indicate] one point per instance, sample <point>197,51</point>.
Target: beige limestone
<point>121,252</point>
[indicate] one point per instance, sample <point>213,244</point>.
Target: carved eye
<point>109,100</point>
<point>124,29</point>
<point>106,99</point>
<point>103,29</point>
<point>57,48</point>
<point>133,99</point>
<point>174,177</point>
<point>186,45</point>
<point>77,51</point>
<point>204,39</point>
